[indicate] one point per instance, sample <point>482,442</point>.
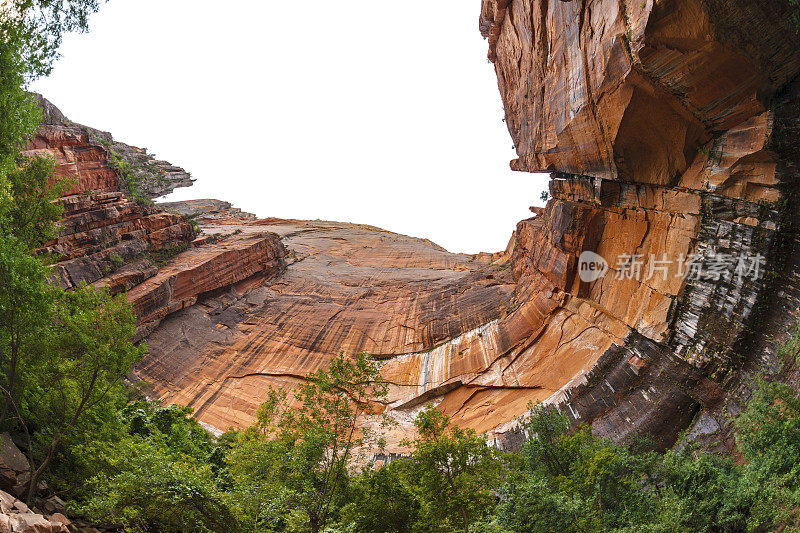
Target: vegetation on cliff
<point>124,461</point>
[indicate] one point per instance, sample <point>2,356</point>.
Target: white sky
<point>372,111</point>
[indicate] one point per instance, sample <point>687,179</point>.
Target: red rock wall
<point>346,288</point>
<point>109,240</point>
<point>101,228</point>
<point>202,270</point>
<point>630,90</point>
<point>76,158</point>
<point>669,128</point>
<point>657,119</point>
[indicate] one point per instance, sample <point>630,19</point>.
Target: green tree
<point>702,492</point>
<point>575,482</point>
<point>27,219</point>
<point>531,505</point>
<point>63,355</point>
<point>26,306</point>
<point>455,470</point>
<point>547,448</point>
<point>768,435</point>
<point>157,469</point>
<point>30,33</point>
<point>145,485</point>
<point>33,212</point>
<point>88,351</point>
<point>768,431</point>
<point>298,453</point>
<point>380,501</point>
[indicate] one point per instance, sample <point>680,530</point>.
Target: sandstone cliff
<point>112,241</point>
<point>348,288</point>
<point>670,128</point>
<point>156,177</point>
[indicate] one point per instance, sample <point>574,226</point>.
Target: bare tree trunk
<point>12,371</point>
<point>38,472</point>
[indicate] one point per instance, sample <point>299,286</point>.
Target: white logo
<point>591,266</point>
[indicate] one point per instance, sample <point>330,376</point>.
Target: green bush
<point>131,178</point>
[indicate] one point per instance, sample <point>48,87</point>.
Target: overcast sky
<point>371,111</point>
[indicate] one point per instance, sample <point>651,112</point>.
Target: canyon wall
<point>110,240</point>
<point>670,129</point>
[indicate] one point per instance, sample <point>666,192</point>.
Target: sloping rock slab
<point>202,270</point>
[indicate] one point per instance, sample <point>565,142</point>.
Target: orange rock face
<point>670,128</point>
<point>110,241</point>
<point>101,229</point>
<point>666,124</point>
<point>656,121</point>
<point>76,158</point>
<point>202,270</point>
<point>630,90</point>
<point>347,288</point>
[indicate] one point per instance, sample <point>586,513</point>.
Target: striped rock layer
<point>670,128</point>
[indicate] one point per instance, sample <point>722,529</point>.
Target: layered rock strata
<point>656,121</point>
<point>102,228</point>
<point>200,271</point>
<point>155,177</point>
<point>109,240</point>
<point>659,119</point>
<point>347,287</point>
<point>209,211</point>
<point>670,128</point>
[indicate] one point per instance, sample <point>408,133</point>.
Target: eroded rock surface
<point>348,288</point>
<point>156,177</point>
<point>200,271</point>
<point>102,229</point>
<point>668,126</point>
<point>630,90</point>
<point>671,131</point>
<point>109,240</point>
<point>209,211</point>
<point>660,125</point>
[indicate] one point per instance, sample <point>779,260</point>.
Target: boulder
<point>54,504</point>
<point>6,502</point>
<point>13,464</point>
<point>60,519</point>
<point>16,517</point>
<point>33,523</point>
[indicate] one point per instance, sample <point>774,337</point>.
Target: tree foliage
<point>383,500</point>
<point>30,33</point>
<point>87,352</point>
<point>455,470</point>
<point>573,481</point>
<point>164,473</point>
<point>32,215</point>
<point>303,465</point>
<point>302,447</point>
